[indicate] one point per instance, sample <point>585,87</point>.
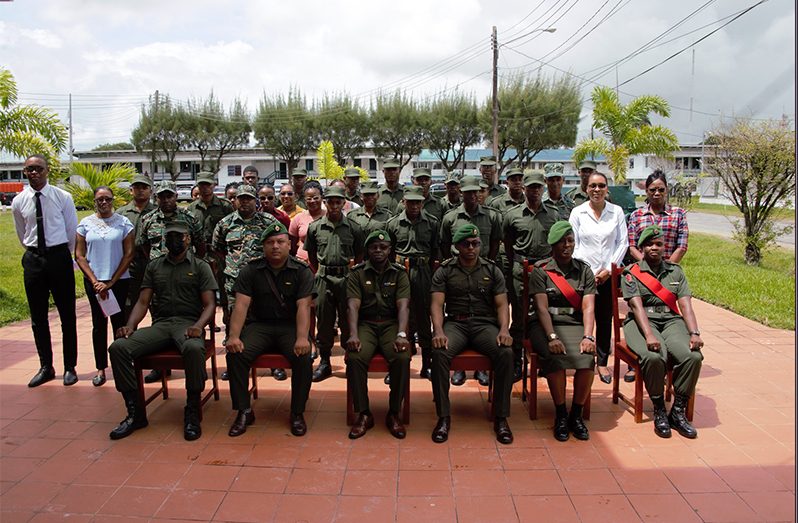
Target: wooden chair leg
<point>406,402</point>
<point>638,400</point>
<point>215,377</point>
<point>586,408</point>
<point>616,370</point>
<point>690,407</point>
<point>164,384</point>
<point>532,399</point>
<point>254,373</point>
<point>350,407</point>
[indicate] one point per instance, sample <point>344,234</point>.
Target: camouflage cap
<point>586,164</point>
<point>246,190</point>
<point>487,160</point>
<point>469,183</point>
<point>271,230</point>
<point>369,187</point>
<point>378,235</point>
<point>165,186</point>
<point>534,177</point>
<point>483,184</point>
<point>352,172</point>
<point>419,172</point>
<point>464,232</point>
<point>553,170</point>
<point>140,178</point>
<point>390,163</point>
<point>334,192</point>
<point>414,193</point>
<point>299,172</point>
<point>176,226</point>
<point>205,177</point>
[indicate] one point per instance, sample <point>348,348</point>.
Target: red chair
<point>471,360</point>
<point>266,361</point>
<point>624,354</point>
<point>379,364</point>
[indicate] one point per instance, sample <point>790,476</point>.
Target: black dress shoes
<point>44,375</point>
<point>363,423</point>
<point>225,376</point>
<point>70,378</point>
<point>98,380</point>
<point>279,374</point>
<point>322,372</point>
<point>426,373</point>
<point>441,431</point>
<point>298,425</point>
<point>191,424</point>
<point>561,432</point>
<point>578,428</point>
<point>155,376</point>
<point>387,379</point>
<point>395,426</point>
<point>243,420</point>
<point>458,378</point>
<point>517,372</point>
<point>482,377</point>
<point>503,433</point>
<point>629,377</point>
<point>605,378</point>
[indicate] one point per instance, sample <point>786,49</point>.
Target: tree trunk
<point>753,254</point>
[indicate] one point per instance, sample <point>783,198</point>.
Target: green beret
<point>651,232</point>
<point>553,170</point>
<point>176,226</point>
<point>352,172</point>
<point>334,192</point>
<point>380,235</point>
<point>272,230</point>
<point>558,231</point>
<point>466,231</point>
<point>414,193</point>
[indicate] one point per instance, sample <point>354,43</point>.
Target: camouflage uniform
<point>152,228</point>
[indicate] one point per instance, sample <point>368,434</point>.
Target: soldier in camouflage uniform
<point>140,205</point>
<point>151,238</point>
<point>369,216</point>
<point>555,198</point>
<point>452,200</point>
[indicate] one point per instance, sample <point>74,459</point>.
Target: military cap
<point>451,177</point>
<point>553,170</point>
<point>534,177</point>
<point>487,160</point>
<point>558,231</point>
<point>414,193</point>
<point>352,172</point>
<point>334,192</point>
<point>299,172</point>
<point>483,184</point>
<point>419,172</point>
<point>246,190</point>
<point>587,164</point>
<point>380,235</point>
<point>250,169</point>
<point>469,183</point>
<point>652,232</point>
<point>165,186</point>
<point>274,229</point>
<point>369,188</point>
<point>390,163</point>
<point>140,178</point>
<point>205,177</point>
<point>464,232</point>
<point>514,171</point>
<point>176,226</point>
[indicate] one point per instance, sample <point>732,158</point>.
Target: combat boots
<point>678,417</point>
<point>662,427</point>
<point>136,417</point>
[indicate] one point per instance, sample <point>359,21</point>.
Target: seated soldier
<point>477,317</point>
<point>271,315</point>
<point>180,289</point>
<point>661,327</point>
<point>378,311</point>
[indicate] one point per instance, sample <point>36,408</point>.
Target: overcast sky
<point>112,54</point>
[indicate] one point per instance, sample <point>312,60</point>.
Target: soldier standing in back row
<point>579,194</point>
<point>352,182</point>
<point>391,193</point>
<point>452,200</point>
<point>432,205</point>
<point>369,216</point>
<point>141,204</point>
<point>555,197</point>
<point>487,168</point>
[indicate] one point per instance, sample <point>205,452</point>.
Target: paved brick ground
<point>56,461</point>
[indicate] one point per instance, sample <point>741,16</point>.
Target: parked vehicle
<point>8,190</point>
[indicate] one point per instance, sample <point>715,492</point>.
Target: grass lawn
<point>13,304</point>
<point>719,275</point>
<point>729,210</point>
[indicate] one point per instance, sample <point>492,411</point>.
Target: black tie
<point>40,242</point>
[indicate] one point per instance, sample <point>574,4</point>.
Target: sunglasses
<point>286,194</point>
<point>33,169</point>
<point>597,186</point>
<point>266,198</point>
<point>656,189</point>
<point>471,244</point>
<point>103,199</point>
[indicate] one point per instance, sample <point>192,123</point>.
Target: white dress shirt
<point>599,242</point>
<point>58,212</point>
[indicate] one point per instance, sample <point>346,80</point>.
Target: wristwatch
<point>695,333</point>
<point>401,334</point>
<point>591,338</point>
<point>553,336</point>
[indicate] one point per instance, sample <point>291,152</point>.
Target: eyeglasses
<point>30,169</point>
<point>266,198</point>
<point>471,244</point>
<point>103,199</point>
<point>287,193</point>
<point>656,189</point>
<point>597,186</point>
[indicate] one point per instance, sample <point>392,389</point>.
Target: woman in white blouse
<point>601,240</point>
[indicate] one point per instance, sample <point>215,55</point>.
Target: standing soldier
<point>555,197</point>
<point>391,193</point>
<point>369,216</point>
<point>579,194</point>
<point>489,225</point>
<point>141,204</point>
<point>352,181</point>
<point>414,235</point>
<point>474,294</point>
<point>487,168</point>
<point>431,205</point>
<point>514,194</point>
<point>526,230</point>
<point>452,199</point>
<point>298,179</point>
<point>378,293</point>
<point>333,242</point>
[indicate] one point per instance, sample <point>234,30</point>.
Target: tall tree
<point>118,146</point>
<point>396,126</point>
<point>162,129</point>
<point>451,123</point>
<point>28,129</point>
<point>534,114</point>
<point>756,163</point>
<point>345,123</point>
<point>628,130</point>
<point>286,126</point>
<point>214,132</point>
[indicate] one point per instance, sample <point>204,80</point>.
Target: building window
<point>358,162</point>
<point>233,171</point>
<point>185,167</point>
<point>309,164</point>
<point>372,164</point>
<point>139,166</point>
<point>283,170</point>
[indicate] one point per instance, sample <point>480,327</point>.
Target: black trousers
<point>603,313</point>
<point>51,273</point>
<point>99,323</point>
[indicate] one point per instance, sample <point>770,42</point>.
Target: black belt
<point>48,249</point>
<point>460,317</point>
<point>335,270</point>
<point>413,261</point>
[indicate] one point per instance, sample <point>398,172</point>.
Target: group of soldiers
<point>405,268</point>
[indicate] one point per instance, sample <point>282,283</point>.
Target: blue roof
<point>473,155</point>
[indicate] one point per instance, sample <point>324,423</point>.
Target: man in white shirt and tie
<point>46,223</point>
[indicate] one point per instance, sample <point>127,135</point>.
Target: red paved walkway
<point>57,463</point>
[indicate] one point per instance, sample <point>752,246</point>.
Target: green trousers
<point>515,292</point>
<point>478,334</point>
<point>675,346</point>
<point>420,298</point>
<point>163,334</point>
<point>377,337</point>
<point>330,305</point>
<point>263,338</point>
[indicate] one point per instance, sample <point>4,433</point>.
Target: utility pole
<point>692,83</point>
<point>495,44</point>
<point>70,128</point>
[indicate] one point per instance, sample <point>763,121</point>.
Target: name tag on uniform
<point>287,283</point>
<point>485,278</point>
<point>368,282</point>
<point>675,283</point>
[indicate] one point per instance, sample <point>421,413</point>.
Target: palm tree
<point>628,129</point>
<point>28,129</point>
<point>83,193</point>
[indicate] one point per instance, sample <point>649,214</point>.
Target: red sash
<point>565,288</point>
<point>656,287</point>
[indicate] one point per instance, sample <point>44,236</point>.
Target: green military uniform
<point>471,322</point>
<point>669,328</point>
<point>353,172</point>
<point>152,228</point>
<point>369,222</point>
<point>300,197</point>
<point>564,206</point>
<point>494,189</point>
<point>502,203</point>
<point>333,245</point>
<point>566,320</point>
<point>487,220</point>
<point>390,200</point>
<point>432,205</point>
<point>140,259</point>
<point>377,328</point>
<point>209,215</point>
<point>417,244</point>
<point>176,305</point>
<point>271,326</point>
